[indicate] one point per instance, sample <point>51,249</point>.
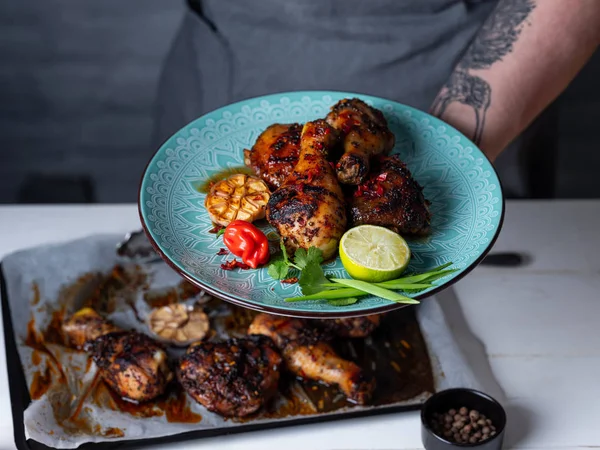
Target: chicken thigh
<point>391,198</point>
<point>233,378</point>
<point>132,364</point>
<point>275,153</point>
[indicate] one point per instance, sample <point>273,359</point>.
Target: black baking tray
<point>20,399</point>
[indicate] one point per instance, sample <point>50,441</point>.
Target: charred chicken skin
<point>233,378</point>
<point>275,153</point>
<point>132,364</point>
<point>308,357</point>
<point>365,133</point>
<point>391,198</point>
<point>353,327</point>
<point>308,209</point>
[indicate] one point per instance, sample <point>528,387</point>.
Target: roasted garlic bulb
<point>239,197</point>
<point>179,324</point>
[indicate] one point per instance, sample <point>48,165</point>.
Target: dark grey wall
<point>77,81</point>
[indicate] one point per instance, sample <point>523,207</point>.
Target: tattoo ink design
<point>493,42</point>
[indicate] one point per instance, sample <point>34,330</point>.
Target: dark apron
<point>229,50</point>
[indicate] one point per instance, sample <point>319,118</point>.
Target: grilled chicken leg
<point>310,358</point>
<point>132,364</point>
<point>365,133</point>
<point>308,210</point>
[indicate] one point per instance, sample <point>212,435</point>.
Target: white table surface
<point>531,333</point>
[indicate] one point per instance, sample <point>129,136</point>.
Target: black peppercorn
<point>463,425</point>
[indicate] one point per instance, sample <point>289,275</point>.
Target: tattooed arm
<point>522,58</point>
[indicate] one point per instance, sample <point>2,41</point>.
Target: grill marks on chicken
<point>391,198</point>
<point>233,378</point>
<point>132,364</point>
<point>275,153</point>
<point>308,210</point>
<point>309,357</point>
<point>365,133</point>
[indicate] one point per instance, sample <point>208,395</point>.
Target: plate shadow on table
<point>519,421</point>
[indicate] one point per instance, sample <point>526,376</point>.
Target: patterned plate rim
<point>306,313</point>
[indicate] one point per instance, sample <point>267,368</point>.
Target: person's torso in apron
<point>399,49</point>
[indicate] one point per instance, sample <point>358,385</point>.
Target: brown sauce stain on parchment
<point>36,341</point>
<point>40,384</point>
<point>158,298</point>
<point>36,294</point>
<point>121,283</point>
<point>36,358</point>
<point>173,405</point>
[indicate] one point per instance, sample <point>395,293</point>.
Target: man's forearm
<point>522,58</point>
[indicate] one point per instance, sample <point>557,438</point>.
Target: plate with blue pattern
<point>467,205</point>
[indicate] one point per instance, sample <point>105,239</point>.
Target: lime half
<point>374,254</point>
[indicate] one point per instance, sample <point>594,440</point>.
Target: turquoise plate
<point>466,198</point>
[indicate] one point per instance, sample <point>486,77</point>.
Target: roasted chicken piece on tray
<point>308,210</point>
<point>391,198</point>
<point>309,357</point>
<point>233,378</point>
<point>353,327</point>
<point>275,153</point>
<point>365,133</point>
<point>132,364</point>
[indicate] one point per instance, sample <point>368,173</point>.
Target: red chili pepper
<point>246,241</point>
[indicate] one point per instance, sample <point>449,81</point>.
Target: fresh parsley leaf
<point>315,254</point>
<point>279,269</point>
<point>303,260</point>
<point>342,301</point>
<point>312,278</point>
<point>221,232</point>
<point>302,257</point>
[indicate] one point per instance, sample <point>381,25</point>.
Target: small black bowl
<point>442,401</point>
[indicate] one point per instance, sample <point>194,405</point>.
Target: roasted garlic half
<point>239,197</point>
<point>179,324</point>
